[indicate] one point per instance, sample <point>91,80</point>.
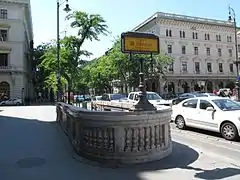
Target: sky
<point>120,16</point>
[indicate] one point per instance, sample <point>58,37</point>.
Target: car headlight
<point>239,118</point>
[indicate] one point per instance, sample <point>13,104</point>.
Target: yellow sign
<point>140,43</point>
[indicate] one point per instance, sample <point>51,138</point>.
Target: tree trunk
<point>126,88</point>
<point>69,92</point>
<point>69,95</point>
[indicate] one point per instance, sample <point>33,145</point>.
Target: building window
<point>3,59</point>
<point>170,49</point>
<point>170,67</point>
<point>219,52</point>
<point>231,67</point>
<point>184,67</point>
<point>195,35</point>
<point>209,67</point>
<point>207,36</point>
<point>183,49</point>
<point>229,38</point>
<point>3,35</point>
<point>208,52</point>
<point>182,34</point>
<point>230,52</point>
<point>3,14</point>
<point>220,67</point>
<point>197,67</point>
<point>168,32</point>
<point>195,50</point>
<point>218,38</point>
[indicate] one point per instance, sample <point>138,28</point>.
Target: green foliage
<point>117,65</point>
<point>89,26</point>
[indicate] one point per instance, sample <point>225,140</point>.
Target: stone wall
<point>117,137</point>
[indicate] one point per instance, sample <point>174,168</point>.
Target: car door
<point>206,119</point>
<point>9,102</point>
<point>13,101</point>
<point>131,97</point>
<point>189,111</point>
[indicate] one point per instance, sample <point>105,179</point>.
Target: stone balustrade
<point>117,137</point>
<point>108,105</point>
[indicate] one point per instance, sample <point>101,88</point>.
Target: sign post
<point>140,43</point>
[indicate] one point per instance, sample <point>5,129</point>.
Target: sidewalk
<point>33,148</point>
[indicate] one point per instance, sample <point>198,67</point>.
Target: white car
<point>14,101</point>
<point>152,97</point>
<point>209,113</point>
<point>97,98</point>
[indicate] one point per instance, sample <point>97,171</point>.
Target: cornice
<point>195,26</point>
<point>18,3</point>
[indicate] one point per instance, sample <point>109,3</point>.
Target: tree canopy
<point>115,65</point>
<point>89,27</point>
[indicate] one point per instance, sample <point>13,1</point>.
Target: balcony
<point>6,69</point>
<point>10,69</point>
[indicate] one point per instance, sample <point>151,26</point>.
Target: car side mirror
<point>210,109</point>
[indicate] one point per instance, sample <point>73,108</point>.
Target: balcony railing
<point>5,67</point>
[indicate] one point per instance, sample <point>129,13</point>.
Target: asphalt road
<point>33,147</point>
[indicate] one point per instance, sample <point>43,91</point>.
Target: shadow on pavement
<point>181,157</point>
<point>217,173</point>
<point>34,149</point>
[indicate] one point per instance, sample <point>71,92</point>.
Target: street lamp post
<point>231,17</point>
<point>67,9</point>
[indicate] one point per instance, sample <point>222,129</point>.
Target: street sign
<point>238,78</point>
<point>139,43</point>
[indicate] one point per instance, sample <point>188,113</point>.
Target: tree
<point>116,65</point>
<point>39,73</point>
<point>89,26</point>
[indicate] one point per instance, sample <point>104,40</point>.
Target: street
<point>33,147</point>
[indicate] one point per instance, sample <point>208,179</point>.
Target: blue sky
<point>121,15</point>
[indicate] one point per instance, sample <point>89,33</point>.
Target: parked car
<point>209,113</point>
<point>184,96</point>
<point>168,96</point>
<point>12,102</point>
<point>113,97</point>
<point>97,98</point>
<point>79,98</point>
<point>152,97</point>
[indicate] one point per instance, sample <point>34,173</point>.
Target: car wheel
<point>18,104</point>
<point>229,131</point>
<point>180,122</point>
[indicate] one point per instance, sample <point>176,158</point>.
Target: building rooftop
<point>16,1</point>
<point>180,17</point>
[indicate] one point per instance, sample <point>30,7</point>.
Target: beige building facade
<point>16,43</point>
<point>203,52</point>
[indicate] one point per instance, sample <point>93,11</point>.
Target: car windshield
<point>227,104</point>
<point>153,96</point>
<point>116,96</point>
